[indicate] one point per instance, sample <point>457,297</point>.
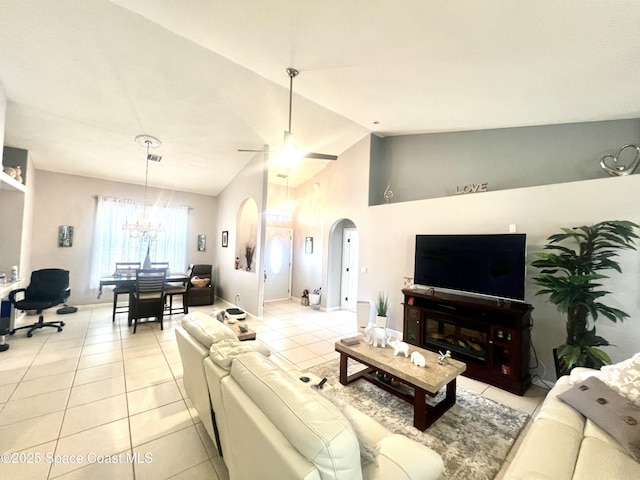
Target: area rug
<point>473,437</point>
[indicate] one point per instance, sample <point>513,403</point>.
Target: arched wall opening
<point>342,266</point>
<point>246,236</point>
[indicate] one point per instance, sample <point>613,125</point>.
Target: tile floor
<point>95,401</point>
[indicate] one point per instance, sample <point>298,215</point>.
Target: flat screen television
<point>486,264</point>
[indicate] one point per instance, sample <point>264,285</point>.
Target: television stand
<point>491,337</point>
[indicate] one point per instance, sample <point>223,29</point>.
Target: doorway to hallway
<point>342,278</point>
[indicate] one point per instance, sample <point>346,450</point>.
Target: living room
<point>559,160</point>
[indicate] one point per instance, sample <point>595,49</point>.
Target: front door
<point>277,265</point>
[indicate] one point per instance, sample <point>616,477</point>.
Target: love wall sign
<point>471,188</point>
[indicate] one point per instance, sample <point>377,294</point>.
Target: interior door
<point>277,265</point>
<point>349,284</point>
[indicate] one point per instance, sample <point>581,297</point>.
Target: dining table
<point>130,280</point>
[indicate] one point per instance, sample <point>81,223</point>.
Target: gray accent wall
<point>437,165</point>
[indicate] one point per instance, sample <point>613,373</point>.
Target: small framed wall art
<point>308,245</point>
<point>225,238</point>
<point>202,243</point>
<point>65,236</point>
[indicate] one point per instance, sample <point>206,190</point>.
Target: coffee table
<point>385,369</point>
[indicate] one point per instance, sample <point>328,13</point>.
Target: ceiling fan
<point>288,146</point>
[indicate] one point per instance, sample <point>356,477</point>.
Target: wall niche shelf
<point>9,184</point>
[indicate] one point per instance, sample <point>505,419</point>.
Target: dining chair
<point>160,265</point>
<point>123,269</point>
<point>147,299</point>
<point>171,290</point>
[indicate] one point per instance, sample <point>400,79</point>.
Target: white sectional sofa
<point>194,348</point>
<point>272,425</point>
<point>562,444</point>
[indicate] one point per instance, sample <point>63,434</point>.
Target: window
<point>114,244</point>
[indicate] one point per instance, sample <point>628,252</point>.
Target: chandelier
<point>143,228</point>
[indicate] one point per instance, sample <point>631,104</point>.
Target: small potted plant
<point>382,308</point>
<point>314,298</point>
<point>570,275</point>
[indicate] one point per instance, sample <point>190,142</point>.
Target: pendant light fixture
<point>143,228</point>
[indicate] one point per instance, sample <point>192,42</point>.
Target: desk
<point>130,281</point>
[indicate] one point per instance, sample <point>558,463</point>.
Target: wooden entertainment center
<point>491,336</point>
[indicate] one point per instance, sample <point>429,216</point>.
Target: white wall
<point>251,182</point>
<point>61,199</point>
<point>3,117</point>
<point>341,193</point>
<point>387,238</point>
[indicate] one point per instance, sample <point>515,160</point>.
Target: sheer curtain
<point>113,244</point>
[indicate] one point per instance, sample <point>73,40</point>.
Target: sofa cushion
<point>313,425</point>
<point>558,411</point>
<point>624,378</point>
<point>368,451</point>
<point>205,329</point>
<point>609,410</point>
<point>224,351</point>
<point>400,458</point>
<point>598,461</point>
<point>548,451</point>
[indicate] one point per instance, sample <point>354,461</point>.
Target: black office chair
<point>147,300</point>
<point>48,287</point>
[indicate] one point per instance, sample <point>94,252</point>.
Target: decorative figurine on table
<point>399,347</point>
<point>418,359</point>
<point>373,335</point>
<point>442,358</point>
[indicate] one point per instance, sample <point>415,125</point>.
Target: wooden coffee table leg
<point>425,415</point>
<point>420,409</point>
<point>343,368</point>
<point>347,379</point>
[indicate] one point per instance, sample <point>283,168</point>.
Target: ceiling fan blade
<point>252,151</point>
<point>320,156</point>
<point>288,147</point>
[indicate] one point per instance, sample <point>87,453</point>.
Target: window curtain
<point>114,244</point>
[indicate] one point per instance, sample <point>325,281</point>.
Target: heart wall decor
<point>623,162</point>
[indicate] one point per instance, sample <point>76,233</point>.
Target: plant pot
<point>561,366</point>
<point>381,321</point>
<point>314,299</point>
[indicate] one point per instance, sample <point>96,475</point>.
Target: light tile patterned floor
<point>95,401</point>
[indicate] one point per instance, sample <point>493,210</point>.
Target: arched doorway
<point>342,266</point>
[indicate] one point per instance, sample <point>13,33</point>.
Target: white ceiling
<point>207,77</point>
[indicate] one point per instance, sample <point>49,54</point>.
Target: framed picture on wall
<point>65,236</point>
<point>308,245</point>
<point>202,243</point>
<point>225,238</point>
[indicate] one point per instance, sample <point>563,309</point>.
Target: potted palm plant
<point>570,267</point>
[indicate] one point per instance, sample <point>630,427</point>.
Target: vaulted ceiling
<point>207,77</point>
